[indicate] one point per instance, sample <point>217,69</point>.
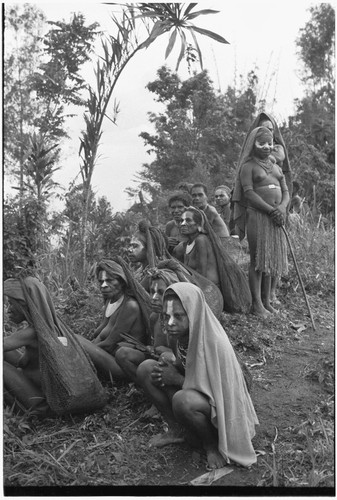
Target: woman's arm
<point>26,336</point>
<point>246,177</point>
<point>128,317</point>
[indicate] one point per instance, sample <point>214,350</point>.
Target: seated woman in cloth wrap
<point>130,358</point>
<point>261,197</point>
<point>199,386</point>
<point>149,247</point>
<point>126,310</point>
<point>206,254</point>
<point>29,301</point>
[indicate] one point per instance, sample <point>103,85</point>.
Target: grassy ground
<point>293,393</point>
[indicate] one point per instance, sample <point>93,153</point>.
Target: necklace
<point>189,247</point>
<point>267,164</point>
<point>112,307</point>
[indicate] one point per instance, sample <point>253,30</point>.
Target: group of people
<point>160,324</point>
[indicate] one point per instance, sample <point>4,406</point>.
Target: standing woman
<point>262,200</point>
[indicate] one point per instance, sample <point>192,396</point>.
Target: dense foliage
<point>197,134</point>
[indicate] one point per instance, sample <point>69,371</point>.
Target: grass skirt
<point>271,247</point>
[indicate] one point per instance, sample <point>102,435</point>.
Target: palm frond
<point>210,34</point>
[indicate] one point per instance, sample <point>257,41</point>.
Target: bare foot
<point>271,309</point>
<point>214,459</point>
<point>261,312</point>
<point>275,301</point>
<point>169,437</point>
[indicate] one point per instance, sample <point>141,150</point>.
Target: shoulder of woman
<point>201,239</point>
<point>131,304</point>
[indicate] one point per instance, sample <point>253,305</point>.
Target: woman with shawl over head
<point>261,200</point>
<point>24,372</point>
<point>280,154</point>
<point>148,246</point>
<point>126,310</point>
<point>199,386</point>
<point>207,255</point>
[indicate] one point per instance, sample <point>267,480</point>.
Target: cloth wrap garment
<point>158,256</point>
<point>232,280</point>
<point>271,253</point>
<point>213,369</point>
<point>239,211</point>
<point>68,378</point>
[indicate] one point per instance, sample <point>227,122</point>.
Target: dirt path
<point>284,397</point>
<point>107,452</point>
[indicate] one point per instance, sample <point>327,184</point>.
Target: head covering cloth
<point>66,390</point>
<point>212,369</point>
<point>240,203</point>
<point>156,244</point>
<point>232,280</point>
<point>169,277</point>
<point>111,267</point>
<point>278,139</point>
<point>136,290</point>
<point>185,274</point>
<point>40,298</point>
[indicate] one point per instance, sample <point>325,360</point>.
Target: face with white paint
<point>157,289</point>
<point>175,318</point>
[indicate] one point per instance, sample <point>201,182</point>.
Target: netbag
<point>68,377</point>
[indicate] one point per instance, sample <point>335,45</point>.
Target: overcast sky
<point>262,34</point>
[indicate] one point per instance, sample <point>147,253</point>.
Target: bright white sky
<point>261,33</point>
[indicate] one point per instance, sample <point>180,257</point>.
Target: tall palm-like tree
<point>117,52</point>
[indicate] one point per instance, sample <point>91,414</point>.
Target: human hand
<point>164,374</point>
<point>278,216</point>
<point>167,357</point>
<point>172,241</point>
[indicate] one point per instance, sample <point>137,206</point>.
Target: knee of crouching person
<point>182,402</point>
<point>144,370</point>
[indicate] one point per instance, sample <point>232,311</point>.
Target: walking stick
<point>299,276</point>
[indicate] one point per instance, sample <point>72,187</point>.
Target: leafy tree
<point>316,45</point>
<point>200,132</point>
<point>311,134</point>
<point>117,52</point>
<point>23,28</point>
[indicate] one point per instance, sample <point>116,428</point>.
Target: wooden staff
<point>299,276</point>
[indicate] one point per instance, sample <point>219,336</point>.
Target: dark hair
<point>184,197</point>
<point>171,293</point>
<point>200,184</point>
<point>185,186</point>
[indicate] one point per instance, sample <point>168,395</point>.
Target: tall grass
<point>314,248</point>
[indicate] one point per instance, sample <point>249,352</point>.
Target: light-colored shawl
<point>213,369</point>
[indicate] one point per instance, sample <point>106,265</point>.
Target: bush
<point>314,249</point>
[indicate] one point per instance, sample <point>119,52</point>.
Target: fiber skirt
<point>271,247</point>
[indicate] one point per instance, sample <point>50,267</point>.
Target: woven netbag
<point>68,377</point>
